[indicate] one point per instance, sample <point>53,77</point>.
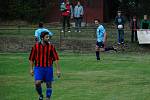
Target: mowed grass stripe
<point>117,76</point>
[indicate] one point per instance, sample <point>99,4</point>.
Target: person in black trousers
<point>134,27</point>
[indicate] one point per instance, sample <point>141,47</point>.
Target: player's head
<point>44,36</point>
<point>96,22</point>
<point>78,3</point>
<point>67,1</point>
<point>119,13</point>
<point>40,24</point>
<point>145,17</point>
<point>134,18</point>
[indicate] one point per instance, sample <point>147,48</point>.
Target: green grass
<point>118,76</point>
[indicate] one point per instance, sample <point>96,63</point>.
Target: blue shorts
<point>43,73</point>
<point>100,44</point>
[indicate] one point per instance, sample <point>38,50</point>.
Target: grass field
<point>118,76</point>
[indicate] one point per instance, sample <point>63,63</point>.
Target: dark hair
<point>40,24</point>
<point>119,11</point>
<point>97,20</point>
<point>43,34</point>
<point>134,17</point>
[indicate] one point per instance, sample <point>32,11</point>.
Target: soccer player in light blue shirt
<point>100,32</point>
<point>101,39</point>
<point>39,30</point>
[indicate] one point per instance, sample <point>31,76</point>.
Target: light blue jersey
<point>38,33</point>
<point>78,11</point>
<point>100,33</point>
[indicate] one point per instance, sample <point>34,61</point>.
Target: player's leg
<point>99,48</point>
<point>110,48</point>
<point>97,51</point>
<point>132,36</point>
<point>80,21</point>
<point>136,39</point>
<point>38,75</point>
<point>39,89</point>
<point>102,47</point>
<point>119,37</point>
<point>68,23</point>
<point>76,25</point>
<point>48,90</point>
<point>122,36</point>
<point>63,23</point>
<point>49,79</point>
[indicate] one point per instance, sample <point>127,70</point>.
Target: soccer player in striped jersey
<point>41,60</point>
<point>101,39</point>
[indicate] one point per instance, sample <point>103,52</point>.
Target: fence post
<point>60,40</point>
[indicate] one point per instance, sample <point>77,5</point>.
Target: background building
<point>101,9</point>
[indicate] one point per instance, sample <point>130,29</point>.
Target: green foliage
<point>135,7</point>
<point>30,10</point>
<point>36,10</point>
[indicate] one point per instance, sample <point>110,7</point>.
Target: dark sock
<point>41,97</point>
<point>39,90</point>
<point>48,92</point>
<point>97,55</point>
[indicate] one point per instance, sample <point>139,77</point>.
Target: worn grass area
<point>118,76</point>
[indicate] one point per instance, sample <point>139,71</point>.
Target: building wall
<point>93,9</point>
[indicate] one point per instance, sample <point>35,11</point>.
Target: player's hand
<point>58,74</point>
<point>81,16</point>
<point>31,72</point>
<point>104,42</point>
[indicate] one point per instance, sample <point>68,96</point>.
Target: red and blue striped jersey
<point>43,55</point>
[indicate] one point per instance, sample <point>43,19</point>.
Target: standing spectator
<point>66,12</point>
<point>145,23</point>
<point>101,39</point>
<point>78,15</point>
<point>134,27</point>
<point>39,31</point>
<point>41,60</point>
<point>120,21</point>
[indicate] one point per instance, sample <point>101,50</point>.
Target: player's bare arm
<point>58,71</point>
<point>105,37</point>
<point>31,67</point>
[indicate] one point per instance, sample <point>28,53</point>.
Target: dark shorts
<point>100,44</point>
<point>43,73</point>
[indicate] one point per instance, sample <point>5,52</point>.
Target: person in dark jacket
<point>145,23</point>
<point>134,26</point>
<point>120,21</point>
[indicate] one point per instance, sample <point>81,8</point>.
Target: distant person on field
<point>145,23</point>
<point>39,31</point>
<point>134,26</point>
<point>101,39</point>
<point>78,16</point>
<point>120,21</point>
